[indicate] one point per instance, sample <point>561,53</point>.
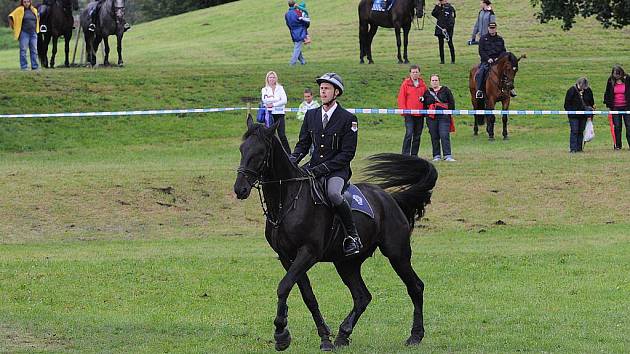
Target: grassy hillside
<point>123,235</point>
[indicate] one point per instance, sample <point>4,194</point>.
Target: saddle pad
<point>358,202</point>
<point>379,5</point>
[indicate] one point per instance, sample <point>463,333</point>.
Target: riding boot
<point>513,92</point>
<point>352,242</point>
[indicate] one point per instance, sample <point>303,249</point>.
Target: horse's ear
<point>272,129</point>
<point>250,121</point>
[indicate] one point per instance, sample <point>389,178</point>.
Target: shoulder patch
<point>355,126</point>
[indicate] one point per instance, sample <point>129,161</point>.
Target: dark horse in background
<point>303,233</point>
<point>400,16</point>
<point>110,21</point>
<point>59,22</point>
<point>498,85</point>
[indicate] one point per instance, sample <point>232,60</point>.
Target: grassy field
<point>122,234</point>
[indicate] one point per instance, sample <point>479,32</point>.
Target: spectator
<point>444,12</point>
<point>411,90</point>
<point>579,97</point>
<point>440,125</point>
<point>274,97</point>
<point>297,27</point>
<point>308,103</point>
<point>24,21</point>
<point>617,98</point>
<point>485,16</point>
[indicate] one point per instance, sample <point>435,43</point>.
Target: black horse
<point>110,21</point>
<point>400,16</point>
<point>59,22</point>
<point>304,233</point>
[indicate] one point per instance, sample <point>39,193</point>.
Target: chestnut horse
<point>498,85</point>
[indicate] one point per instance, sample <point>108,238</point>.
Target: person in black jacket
<point>445,15</point>
<point>579,97</point>
<point>617,98</point>
<point>333,132</point>
<point>439,98</point>
<point>491,46</point>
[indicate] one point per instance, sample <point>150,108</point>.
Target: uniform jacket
<point>409,95</point>
<point>445,16</point>
<point>609,96</point>
<point>296,26</point>
<point>491,47</point>
<point>18,15</point>
<point>573,102</point>
<point>334,147</point>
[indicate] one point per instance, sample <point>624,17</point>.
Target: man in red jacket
<point>411,90</point>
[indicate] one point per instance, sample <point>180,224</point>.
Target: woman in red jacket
<point>411,89</point>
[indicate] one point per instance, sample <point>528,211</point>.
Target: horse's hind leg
<point>106,44</point>
<point>398,250</point>
<point>397,31</point>
<point>54,52</point>
<point>119,48</point>
<point>311,302</point>
<point>406,30</point>
<point>302,263</point>
<point>363,33</point>
<point>490,119</point>
<point>370,37</point>
<point>506,105</point>
<point>350,273</point>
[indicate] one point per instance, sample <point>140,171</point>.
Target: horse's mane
<point>256,129</point>
<point>511,57</point>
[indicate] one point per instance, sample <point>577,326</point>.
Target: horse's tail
<point>410,179</point>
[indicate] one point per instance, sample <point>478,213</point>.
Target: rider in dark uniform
<point>491,47</point>
<point>333,132</point>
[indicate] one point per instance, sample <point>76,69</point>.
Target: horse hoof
<point>400,61</point>
<point>371,62</point>
<point>342,341</point>
<point>361,61</point>
<point>506,138</point>
<point>491,138</point>
<point>475,134</point>
<point>406,61</point>
<point>326,346</point>
<point>413,340</point>
<point>283,340</point>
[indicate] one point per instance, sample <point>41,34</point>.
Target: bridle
<point>256,180</point>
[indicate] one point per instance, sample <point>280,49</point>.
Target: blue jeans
<point>297,54</point>
<point>439,128</point>
<point>481,75</point>
<point>413,131</point>
<point>28,41</point>
<point>576,139</point>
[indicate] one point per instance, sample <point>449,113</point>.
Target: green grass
<point>96,257</point>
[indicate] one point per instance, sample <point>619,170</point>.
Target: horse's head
<point>69,5</point>
<point>508,67</point>
<point>118,9</point>
<point>256,150</point>
<point>75,5</point>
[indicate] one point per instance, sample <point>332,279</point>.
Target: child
<point>301,7</point>
<point>308,103</point>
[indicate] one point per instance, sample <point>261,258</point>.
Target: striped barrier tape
<point>351,110</point>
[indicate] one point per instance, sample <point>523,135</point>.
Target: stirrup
<point>92,27</point>
<point>43,29</point>
<point>126,27</point>
<point>351,245</point>
<point>513,93</point>
<point>479,94</point>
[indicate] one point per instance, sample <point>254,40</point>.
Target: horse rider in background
<point>333,132</point>
<point>94,16</point>
<point>491,47</point>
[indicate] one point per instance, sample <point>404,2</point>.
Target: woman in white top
<point>274,97</point>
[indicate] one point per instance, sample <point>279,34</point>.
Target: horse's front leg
<point>363,32</point>
<point>397,30</point>
<point>67,37</point>
<point>506,105</point>
<point>54,52</point>
<point>119,48</point>
<point>406,30</point>
<point>370,37</point>
<point>311,302</point>
<point>304,260</point>
<point>106,44</point>
<point>490,119</point>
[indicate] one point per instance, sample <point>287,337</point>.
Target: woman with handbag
<point>579,97</point>
<point>274,98</point>
<point>440,126</point>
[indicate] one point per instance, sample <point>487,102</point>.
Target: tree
<point>611,13</point>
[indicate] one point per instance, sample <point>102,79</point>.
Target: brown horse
<point>498,85</point>
<point>400,16</point>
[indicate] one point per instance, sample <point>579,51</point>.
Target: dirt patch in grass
<point>15,339</point>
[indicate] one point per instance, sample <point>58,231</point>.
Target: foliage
<point>611,13</point>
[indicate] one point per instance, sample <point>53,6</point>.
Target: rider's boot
<point>126,26</point>
<point>513,92</point>
<point>352,242</point>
